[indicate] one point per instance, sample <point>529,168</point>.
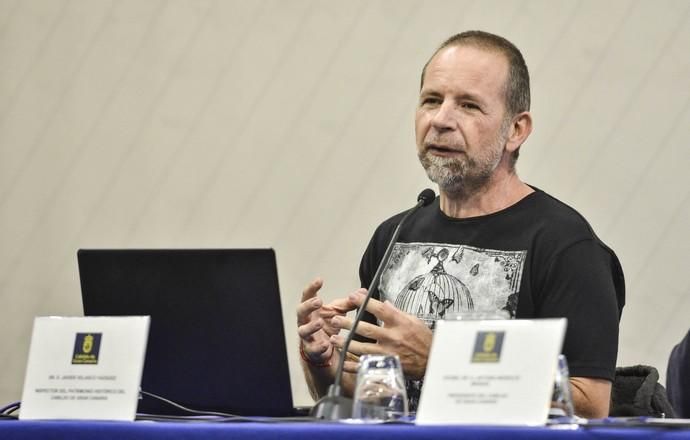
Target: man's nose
<point>444,118</point>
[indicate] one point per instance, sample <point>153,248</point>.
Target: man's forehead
<point>468,62</point>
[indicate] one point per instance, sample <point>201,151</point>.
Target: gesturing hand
<point>314,322</point>
<point>401,334</point>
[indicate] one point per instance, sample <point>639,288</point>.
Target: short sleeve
<point>581,286</point>
<point>367,268</point>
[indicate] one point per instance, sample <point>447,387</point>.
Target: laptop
<point>216,341</point>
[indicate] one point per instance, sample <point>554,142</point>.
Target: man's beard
<point>462,174</point>
<point>455,175</point>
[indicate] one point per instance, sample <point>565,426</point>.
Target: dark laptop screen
<point>216,341</point>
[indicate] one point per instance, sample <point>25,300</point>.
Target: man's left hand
<point>401,334</point>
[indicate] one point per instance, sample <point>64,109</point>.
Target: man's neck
<point>499,193</point>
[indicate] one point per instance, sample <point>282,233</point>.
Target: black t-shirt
<point>678,377</point>
<point>538,258</point>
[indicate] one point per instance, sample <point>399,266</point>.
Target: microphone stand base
<point>331,407</point>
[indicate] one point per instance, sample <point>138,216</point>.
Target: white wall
<point>188,123</point>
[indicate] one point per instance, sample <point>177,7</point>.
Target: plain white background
<point>289,124</point>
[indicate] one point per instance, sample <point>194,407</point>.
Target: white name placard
<point>84,368</point>
<point>498,372</point>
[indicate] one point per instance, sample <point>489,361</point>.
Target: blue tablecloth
<point>31,430</point>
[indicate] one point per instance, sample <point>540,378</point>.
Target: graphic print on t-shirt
<point>429,280</point>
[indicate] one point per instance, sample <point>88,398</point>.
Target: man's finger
<point>305,308</point>
<point>372,331</point>
<point>307,330</point>
<point>342,322</point>
<point>316,350</point>
<point>358,348</point>
<point>351,367</point>
<point>311,289</point>
<point>365,329</point>
<point>374,306</point>
<point>341,305</point>
<point>327,313</point>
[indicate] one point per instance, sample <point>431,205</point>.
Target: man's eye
<point>430,101</point>
<point>469,106</point>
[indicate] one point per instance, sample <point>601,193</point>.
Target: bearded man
<point>489,242</point>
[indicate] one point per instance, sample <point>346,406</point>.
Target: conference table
<point>31,430</point>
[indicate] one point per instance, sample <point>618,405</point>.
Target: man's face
<point>460,123</point>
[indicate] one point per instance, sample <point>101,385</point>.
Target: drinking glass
<point>380,391</point>
<point>562,400</point>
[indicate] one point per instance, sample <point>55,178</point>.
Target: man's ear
<point>520,129</point>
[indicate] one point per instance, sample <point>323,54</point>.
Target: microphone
<point>335,406</point>
<point>426,197</point>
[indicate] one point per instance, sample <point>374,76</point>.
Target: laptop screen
<point>216,341</point>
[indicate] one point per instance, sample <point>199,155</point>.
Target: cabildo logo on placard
<point>86,348</point>
<point>487,347</point>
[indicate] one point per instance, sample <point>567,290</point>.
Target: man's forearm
<point>318,379</point>
<point>591,397</point>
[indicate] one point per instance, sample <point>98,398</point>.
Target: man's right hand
<point>314,323</point>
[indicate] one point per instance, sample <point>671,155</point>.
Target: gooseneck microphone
<point>335,406</point>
